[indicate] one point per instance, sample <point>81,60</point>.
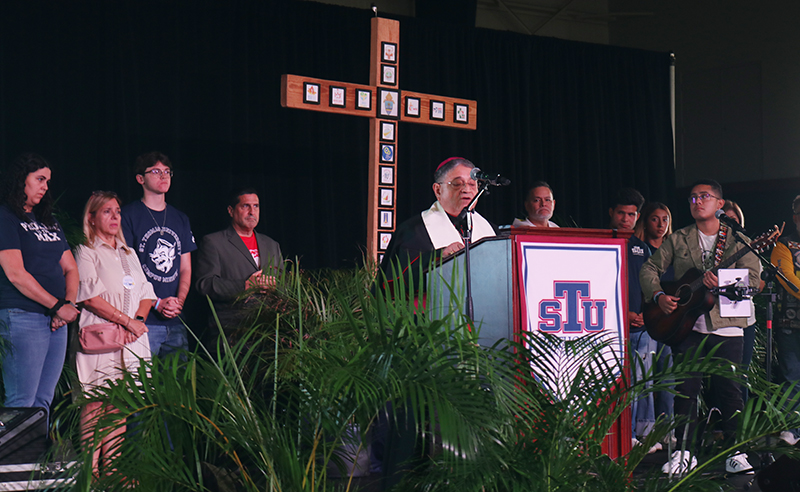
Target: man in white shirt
<point>540,205</point>
<point>696,251</point>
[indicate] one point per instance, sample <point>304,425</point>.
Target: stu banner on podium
<point>570,283</point>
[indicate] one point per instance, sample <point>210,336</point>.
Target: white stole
<point>442,231</point>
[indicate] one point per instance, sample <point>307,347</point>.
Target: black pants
<point>727,393</point>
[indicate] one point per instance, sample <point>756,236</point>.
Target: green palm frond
<point>325,355</point>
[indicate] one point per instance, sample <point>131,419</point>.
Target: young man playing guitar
<point>702,246</point>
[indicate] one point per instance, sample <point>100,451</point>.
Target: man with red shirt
<point>236,259</point>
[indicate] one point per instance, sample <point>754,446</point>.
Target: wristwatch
<point>139,318</point>
<point>53,310</point>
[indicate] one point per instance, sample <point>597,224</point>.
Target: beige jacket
<point>681,249</point>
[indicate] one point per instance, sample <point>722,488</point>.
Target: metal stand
<point>768,275</point>
<point>466,234</point>
<point>464,223</point>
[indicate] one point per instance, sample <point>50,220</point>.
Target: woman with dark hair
<point>113,289</point>
<point>38,285</point>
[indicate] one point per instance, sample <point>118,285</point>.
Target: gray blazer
<point>224,264</point>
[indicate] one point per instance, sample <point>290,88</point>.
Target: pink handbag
<point>101,338</point>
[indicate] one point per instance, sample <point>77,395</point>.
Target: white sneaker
<point>655,447</point>
<point>738,464</point>
<point>680,463</point>
<point>789,437</point>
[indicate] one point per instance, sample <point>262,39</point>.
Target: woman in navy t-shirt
<point>38,285</point>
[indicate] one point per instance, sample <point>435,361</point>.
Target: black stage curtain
<point>90,84</point>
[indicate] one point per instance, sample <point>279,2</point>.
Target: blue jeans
<point>788,342</point>
<point>643,415</point>
<point>665,401</point>
<point>166,339</point>
<point>33,361</point>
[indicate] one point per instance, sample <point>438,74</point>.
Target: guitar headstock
<point>768,239</point>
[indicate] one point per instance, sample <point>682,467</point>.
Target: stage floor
<point>650,467</point>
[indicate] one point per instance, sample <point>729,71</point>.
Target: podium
<point>567,282</point>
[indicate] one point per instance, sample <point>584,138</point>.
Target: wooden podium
<point>568,282</point>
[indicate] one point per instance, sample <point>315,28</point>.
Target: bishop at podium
<point>435,233</point>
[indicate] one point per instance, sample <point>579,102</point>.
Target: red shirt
<point>252,245</point>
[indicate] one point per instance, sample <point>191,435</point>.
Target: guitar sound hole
<point>684,292</point>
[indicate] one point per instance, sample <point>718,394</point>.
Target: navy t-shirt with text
<point>159,239</point>
<point>42,248</point>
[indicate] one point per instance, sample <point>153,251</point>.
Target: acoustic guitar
<point>694,298</point>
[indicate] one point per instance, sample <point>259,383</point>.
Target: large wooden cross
<point>384,104</point>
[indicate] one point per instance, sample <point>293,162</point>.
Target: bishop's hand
<point>452,248</point>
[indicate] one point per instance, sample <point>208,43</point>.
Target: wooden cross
<point>385,104</point>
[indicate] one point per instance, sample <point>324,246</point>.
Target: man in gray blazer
<point>236,259</point>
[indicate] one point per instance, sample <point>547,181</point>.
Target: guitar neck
<point>723,264</point>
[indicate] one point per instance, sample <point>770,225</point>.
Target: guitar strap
<point>722,238</point>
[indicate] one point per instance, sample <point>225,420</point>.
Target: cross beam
<point>384,104</point>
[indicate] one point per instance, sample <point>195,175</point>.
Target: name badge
<point>128,282</point>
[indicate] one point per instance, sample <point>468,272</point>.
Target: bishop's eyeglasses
<point>459,184</point>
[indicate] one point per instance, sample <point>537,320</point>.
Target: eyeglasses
<point>701,197</point>
<point>459,184</point>
<point>158,172</point>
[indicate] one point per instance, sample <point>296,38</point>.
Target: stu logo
<point>572,310</point>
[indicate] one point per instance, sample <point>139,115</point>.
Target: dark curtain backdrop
<point>91,84</point>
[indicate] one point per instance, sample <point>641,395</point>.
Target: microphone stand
<point>768,276</point>
<point>739,237</point>
<point>465,218</point>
